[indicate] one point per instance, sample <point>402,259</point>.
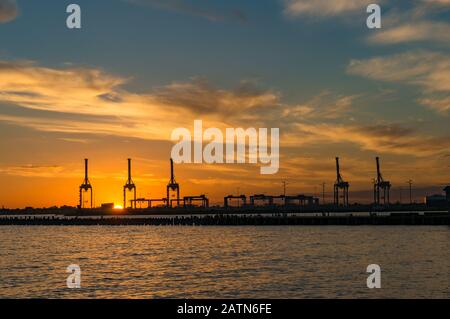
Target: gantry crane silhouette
<point>86,186</point>
<point>381,188</point>
<point>340,184</point>
<point>172,186</point>
<point>130,186</point>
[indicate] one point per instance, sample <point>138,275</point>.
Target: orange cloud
<point>324,8</point>
<point>33,170</point>
<point>439,104</point>
<point>380,138</point>
<point>90,100</point>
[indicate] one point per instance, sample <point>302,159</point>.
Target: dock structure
<point>340,184</point>
<point>85,187</point>
<point>287,200</point>
<point>432,219</point>
<point>261,197</point>
<point>188,200</point>
<point>157,200</point>
<point>301,202</point>
<point>172,186</point>
<point>140,201</point>
<point>447,193</point>
<point>129,186</point>
<point>242,200</point>
<point>381,188</point>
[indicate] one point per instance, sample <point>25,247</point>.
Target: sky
<point>138,69</point>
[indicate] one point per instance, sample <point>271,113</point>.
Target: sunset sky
<point>140,68</point>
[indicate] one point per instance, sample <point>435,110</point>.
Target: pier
<point>234,220</point>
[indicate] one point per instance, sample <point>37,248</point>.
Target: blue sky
<point>156,45</point>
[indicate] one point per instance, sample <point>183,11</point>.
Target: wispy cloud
<point>93,101</point>
<point>324,106</point>
<point>75,140</point>
<point>429,31</point>
<point>90,100</point>
<point>417,21</point>
<point>200,97</point>
<point>392,139</point>
<point>428,70</point>
<point>8,10</point>
<point>324,8</point>
<point>437,2</point>
<point>33,170</point>
<point>80,91</point>
<point>439,104</point>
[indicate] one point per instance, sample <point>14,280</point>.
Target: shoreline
<point>410,219</point>
<point>213,210</point>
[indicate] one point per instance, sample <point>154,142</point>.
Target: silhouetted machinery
<point>187,200</point>
<point>157,200</point>
<point>301,200</point>
<point>141,201</point>
<point>86,186</point>
<point>242,199</point>
<point>130,186</point>
<point>288,200</point>
<point>172,186</point>
<point>261,197</point>
<point>340,184</point>
<point>381,188</point>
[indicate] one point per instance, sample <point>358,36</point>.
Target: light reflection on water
<point>224,262</point>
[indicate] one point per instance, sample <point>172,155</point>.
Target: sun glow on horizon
<point>118,207</point>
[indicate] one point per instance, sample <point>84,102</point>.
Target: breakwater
<point>234,220</point>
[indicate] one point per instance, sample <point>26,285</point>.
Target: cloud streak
<point>324,8</point>
<point>200,97</point>
<point>415,23</point>
<point>88,100</point>
<point>392,139</point>
<point>8,10</point>
<point>32,170</point>
<point>413,32</point>
<point>324,106</point>
<point>428,70</point>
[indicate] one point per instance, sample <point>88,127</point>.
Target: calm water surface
<point>224,262</point>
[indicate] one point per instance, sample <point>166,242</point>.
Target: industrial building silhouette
<point>381,193</point>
